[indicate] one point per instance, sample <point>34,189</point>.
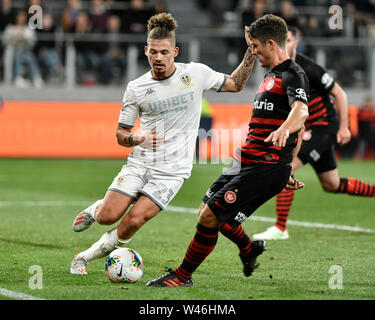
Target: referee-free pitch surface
<point>40,198</point>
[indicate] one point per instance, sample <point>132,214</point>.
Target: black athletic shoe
<point>249,261</point>
<point>170,280</point>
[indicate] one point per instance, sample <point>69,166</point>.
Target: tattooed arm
<point>149,139</point>
<point>237,80</point>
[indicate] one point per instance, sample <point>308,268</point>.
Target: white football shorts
<point>134,180</point>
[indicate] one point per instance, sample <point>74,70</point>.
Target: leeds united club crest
<point>186,80</point>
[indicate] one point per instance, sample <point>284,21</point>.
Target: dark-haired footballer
<point>323,128</point>
<point>262,166</point>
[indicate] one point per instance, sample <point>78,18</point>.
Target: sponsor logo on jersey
<point>265,105</point>
<point>186,80</point>
<point>240,217</point>
<point>230,196</point>
<point>209,193</point>
<point>301,94</point>
<point>150,91</point>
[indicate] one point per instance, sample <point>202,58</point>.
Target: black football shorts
<point>318,149</point>
<point>237,193</point>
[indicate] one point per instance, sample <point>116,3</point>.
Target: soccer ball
<point>124,265</point>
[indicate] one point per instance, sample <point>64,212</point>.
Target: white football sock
<point>104,246</point>
<point>92,208</point>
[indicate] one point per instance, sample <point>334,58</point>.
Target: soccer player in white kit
<point>167,101</point>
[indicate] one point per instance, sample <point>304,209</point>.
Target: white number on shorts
<point>158,194</point>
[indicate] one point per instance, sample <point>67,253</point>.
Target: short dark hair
<point>269,27</point>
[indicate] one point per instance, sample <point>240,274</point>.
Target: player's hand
<point>247,37</point>
<point>278,137</point>
<point>248,41</point>
<point>294,184</point>
<point>343,136</point>
<point>148,139</point>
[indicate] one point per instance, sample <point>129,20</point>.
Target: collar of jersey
<point>281,65</point>
<point>174,71</point>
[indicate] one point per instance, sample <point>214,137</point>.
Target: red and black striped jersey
<point>280,88</point>
<point>321,108</point>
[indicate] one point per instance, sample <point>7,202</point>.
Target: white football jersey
<point>172,107</point>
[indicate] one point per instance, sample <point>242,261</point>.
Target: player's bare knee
<point>329,186</point>
<point>208,219</point>
<point>201,208</point>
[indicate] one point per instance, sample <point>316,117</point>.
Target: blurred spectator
<point>311,27</point>
<point>229,5</point>
<point>7,14</point>
<point>364,14</point>
<point>23,39</point>
<point>116,50</point>
<point>69,15</point>
<point>366,127</point>
<point>257,10</point>
<point>98,15</point>
<point>90,57</point>
<point>46,52</point>
<point>134,21</point>
<point>159,7</point>
<point>289,13</point>
<point>135,18</point>
<point>218,9</point>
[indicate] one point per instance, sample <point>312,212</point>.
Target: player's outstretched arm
<point>237,80</point>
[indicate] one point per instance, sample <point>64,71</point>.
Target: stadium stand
<point>91,48</point>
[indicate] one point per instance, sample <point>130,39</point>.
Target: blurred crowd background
<point>103,30</point>
<point>100,42</point>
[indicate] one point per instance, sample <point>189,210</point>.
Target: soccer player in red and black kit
<point>323,128</point>
<point>262,166</point>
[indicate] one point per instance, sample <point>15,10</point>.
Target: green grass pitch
<point>40,198</point>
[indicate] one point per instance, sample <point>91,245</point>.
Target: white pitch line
<point>290,222</point>
<point>17,295</point>
<point>43,203</point>
<point>187,210</point>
